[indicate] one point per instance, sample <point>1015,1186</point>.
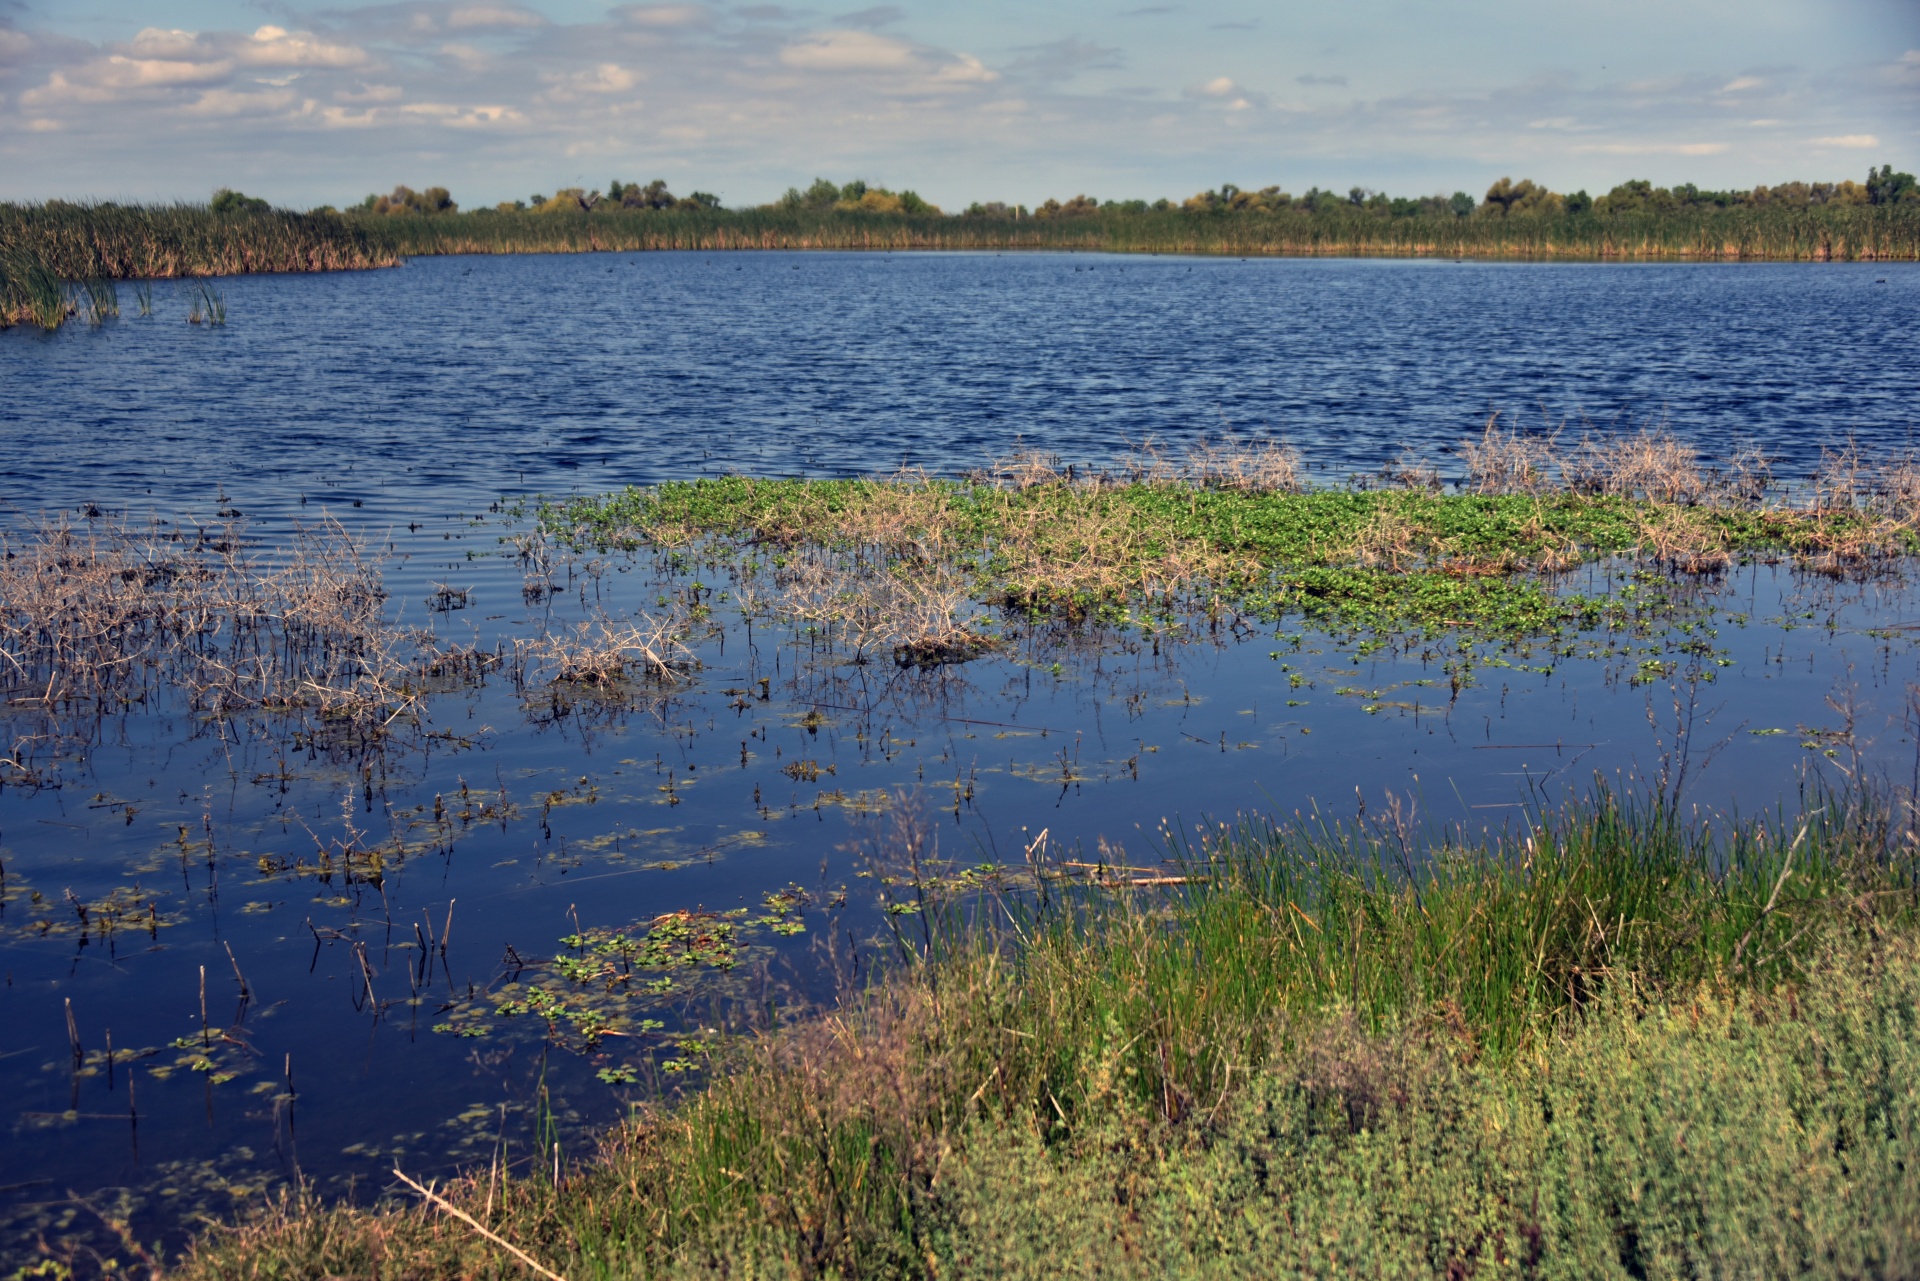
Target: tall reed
<point>111,241</point>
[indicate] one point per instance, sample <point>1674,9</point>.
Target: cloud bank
<point>495,98</point>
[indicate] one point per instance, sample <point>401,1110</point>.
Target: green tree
<point>228,201</point>
<point>405,200</point>
<point>1507,197</point>
<point>1885,187</point>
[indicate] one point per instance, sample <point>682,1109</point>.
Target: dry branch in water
<point>604,650</point>
<point>104,613</point>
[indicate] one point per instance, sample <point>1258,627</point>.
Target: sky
<point>307,102</point>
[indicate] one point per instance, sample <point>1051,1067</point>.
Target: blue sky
<point>309,102</point>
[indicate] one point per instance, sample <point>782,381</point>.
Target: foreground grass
<point>1611,1044</point>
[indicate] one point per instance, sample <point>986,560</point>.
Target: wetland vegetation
<point>1611,1034</point>
<point>1611,1042</point>
<point>50,252</point>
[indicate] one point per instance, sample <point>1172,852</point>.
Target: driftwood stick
<point>441,1203</point>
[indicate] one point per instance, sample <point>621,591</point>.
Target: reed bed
<point>1612,1041</point>
<point>1819,234</point>
<point>43,245</point>
<point>150,242</point>
<point>98,614</point>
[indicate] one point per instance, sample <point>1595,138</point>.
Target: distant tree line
<point>1504,199</point>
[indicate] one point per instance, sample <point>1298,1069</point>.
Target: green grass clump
<point>1612,1043</point>
<point>1379,559</point>
<point>30,292</point>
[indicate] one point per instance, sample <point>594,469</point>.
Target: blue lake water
<point>407,403</point>
<point>472,375</point>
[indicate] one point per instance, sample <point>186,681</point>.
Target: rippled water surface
<point>470,375</point>
<point>410,403</point>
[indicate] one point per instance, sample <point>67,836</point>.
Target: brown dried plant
<point>102,613</point>
<point>1389,540</point>
<point>1862,511</point>
<point>1504,460</point>
<point>1653,464</point>
<point>603,651</point>
<point>921,612</point>
<point>1685,540</point>
<point>1249,466</point>
<point>1244,464</point>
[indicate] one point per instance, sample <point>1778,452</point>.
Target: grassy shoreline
<point>1617,1042</point>
<point>75,243</point>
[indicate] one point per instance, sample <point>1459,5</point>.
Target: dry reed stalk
<point>441,1203</point>
<point>1653,464</point>
<point>1505,461</point>
<point>604,650</point>
<point>1024,469</point>
<point>1410,472</point>
<point>921,611</point>
<point>906,516</point>
<point>1389,540</point>
<point>1684,539</point>
<point>1249,466</point>
<point>102,612</point>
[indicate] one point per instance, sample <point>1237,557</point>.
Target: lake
<point>187,884</point>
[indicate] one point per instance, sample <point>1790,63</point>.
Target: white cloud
<point>1654,148</point>
<point>153,42</point>
<point>1237,96</point>
<point>1850,140</point>
<point>369,93</point>
<point>466,57</point>
<point>112,78</point>
<point>493,16</point>
<point>850,51</point>
<point>663,15</point>
<point>606,78</point>
<point>966,69</point>
<point>229,102</point>
<point>14,46</point>
<point>463,117</point>
<point>1741,84</point>
<point>276,47</point>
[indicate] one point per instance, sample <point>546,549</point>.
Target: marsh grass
<point>99,614</point>
<point>30,291</point>
<point>1829,233</point>
<point>106,241</point>
<point>154,242</point>
<point>1612,1041</point>
<point>206,305</point>
<point>916,560</point>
